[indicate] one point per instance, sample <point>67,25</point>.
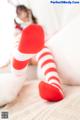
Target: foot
<point>50,92</point>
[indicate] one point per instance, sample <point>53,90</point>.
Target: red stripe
<point>50,70</point>
<point>53,77</point>
<point>19,64</point>
<point>57,86</point>
<point>47,61</point>
<point>44,54</point>
<point>18,27</point>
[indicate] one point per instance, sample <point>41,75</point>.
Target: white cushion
<point>65,46</point>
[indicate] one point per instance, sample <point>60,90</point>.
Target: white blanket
<point>29,105</point>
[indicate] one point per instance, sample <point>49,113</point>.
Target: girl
<point>50,88</point>
<point>31,43</point>
<point>24,18</point>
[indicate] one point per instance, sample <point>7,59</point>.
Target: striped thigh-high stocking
<point>50,88</point>
<point>32,41</point>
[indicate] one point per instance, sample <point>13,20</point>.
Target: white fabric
<point>10,86</point>
<point>48,65</point>
<point>29,105</point>
<point>21,56</point>
<point>66,47</point>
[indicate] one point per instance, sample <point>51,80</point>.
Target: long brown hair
<point>28,11</point>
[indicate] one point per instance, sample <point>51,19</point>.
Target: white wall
<point>6,29</point>
<point>46,14</point>
<point>53,17</point>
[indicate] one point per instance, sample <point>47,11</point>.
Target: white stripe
<point>48,65</point>
<point>19,72</point>
<point>44,58</point>
<point>58,89</point>
<point>21,56</point>
<point>51,74</point>
<point>44,50</point>
<point>54,81</point>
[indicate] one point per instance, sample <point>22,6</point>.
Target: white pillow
<point>65,46</point>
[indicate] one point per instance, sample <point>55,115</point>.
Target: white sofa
<point>65,46</point>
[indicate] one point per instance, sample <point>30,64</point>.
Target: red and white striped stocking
<point>50,88</point>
